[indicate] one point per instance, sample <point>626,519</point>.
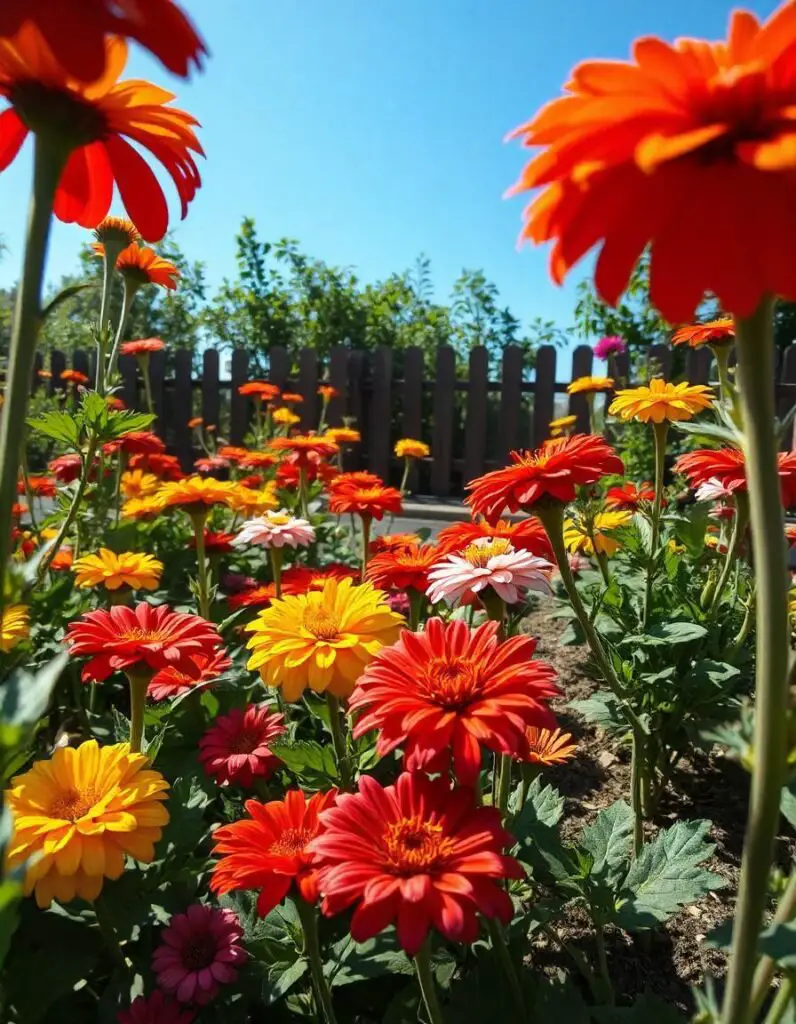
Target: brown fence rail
<point>470,421</point>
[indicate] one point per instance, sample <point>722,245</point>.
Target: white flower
<point>276,530</point>
<point>488,562</point>
<point>712,490</point>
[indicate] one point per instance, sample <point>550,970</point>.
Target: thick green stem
<point>660,430</point>
<point>728,391</point>
<point>109,934</point>
<point>110,256</point>
<point>636,784</point>
<point>738,533</point>
<point>48,162</point>
<point>303,497</point>
<point>405,477</point>
<point>309,923</point>
<point>504,956</point>
<point>764,973</point>
<point>416,599</point>
<point>275,555</point>
<point>139,683</point>
<point>71,515</point>
<point>602,962</point>
<point>367,522</point>
<point>425,977</point>
<point>339,741</point>
<point>199,519</point>
<point>504,784</point>
<point>150,405</point>
<point>755,366</point>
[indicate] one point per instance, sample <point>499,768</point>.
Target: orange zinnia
<point>196,493</point>
<point>259,389</point>
<point>305,449</point>
<point>140,265</point>
<point>713,332</point>
<point>74,377</point>
<point>687,149</point>
<point>549,746</point>
<point>553,471</point>
<point>407,567</point>
<point>92,121</point>
<point>75,31</point>
<point>368,502</point>
<point>527,535</point>
<point>327,392</point>
<point>727,465</point>
<point>143,347</point>
<point>394,542</point>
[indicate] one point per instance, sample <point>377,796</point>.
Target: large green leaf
<point>608,840</point>
<point>58,426</point>
<point>312,762</point>
<point>779,942</point>
<point>535,829</point>
<point>603,709</point>
<point>357,961</point>
<point>24,698</point>
<point>666,634</point>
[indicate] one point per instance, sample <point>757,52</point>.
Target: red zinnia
<point>74,377</point>
<point>527,535</point>
<point>367,502</point>
<point>39,486</point>
<point>142,347</point>
<point>554,471</point>
<point>715,332</point>
<point>167,467</point>
<point>269,850</point>
<point>155,1009</point>
<point>726,465</point>
<point>216,543</point>
<point>66,468</point>
<point>628,497</point>
<point>416,853</point>
<point>296,580</point>
<point>305,449</point>
<point>197,668</point>
<point>145,637</point>
<point>407,567</point>
<point>136,442</point>
<point>333,571</point>
<point>259,389</point>
<point>235,748</point>
<point>452,690</point>
<point>289,477</point>
<point>201,949</point>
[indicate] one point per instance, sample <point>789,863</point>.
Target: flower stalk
<point>339,741</point>
<point>308,916</point>
<point>71,515</point>
<point>660,432</point>
<point>738,532</point>
<point>198,519</point>
<point>275,556</point>
<point>139,683</point>
<point>428,988</point>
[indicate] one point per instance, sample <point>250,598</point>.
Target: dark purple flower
<point>200,950</point>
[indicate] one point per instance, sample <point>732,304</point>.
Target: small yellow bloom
<point>590,385</point>
<point>578,538</point>
<point>196,493</point>
<point>109,570</point>
<point>136,483</point>
<point>562,425</point>
<point>48,533</point>
<point>14,626</point>
<point>142,508</point>
<point>250,502</point>
<point>343,435</point>
<point>661,401</point>
<point>285,417</point>
<point>407,448</point>
<point>674,547</point>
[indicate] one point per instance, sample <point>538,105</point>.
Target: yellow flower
<point>196,493</point>
<point>285,417</point>
<point>561,425</point>
<point>14,626</point>
<point>407,448</point>
<point>343,435</point>
<point>578,538</point>
<point>585,385</point>
<point>48,533</point>
<point>322,639</point>
<point>142,508</point>
<point>109,570</point>
<point>661,401</point>
<point>136,483</point>
<point>674,547</point>
<point>79,814</point>
<point>251,502</point>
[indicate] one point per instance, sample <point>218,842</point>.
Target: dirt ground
<point>668,962</point>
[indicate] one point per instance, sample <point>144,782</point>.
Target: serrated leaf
<point>666,875</point>
<point>58,426</point>
<point>608,840</point>
<point>603,709</point>
<point>787,803</point>
<point>357,961</point>
<point>543,805</point>
<point>535,831</point>
<point>313,762</point>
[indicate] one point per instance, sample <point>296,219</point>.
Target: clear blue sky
<point>371,130</point>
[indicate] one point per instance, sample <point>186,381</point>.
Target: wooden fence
<point>471,422</point>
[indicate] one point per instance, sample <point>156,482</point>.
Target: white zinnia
<point>276,530</point>
<point>488,562</point>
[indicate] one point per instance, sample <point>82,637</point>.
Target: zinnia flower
<point>155,1009</point>
<point>394,542</point>
<point>561,425</point>
<point>291,398</point>
<point>726,465</point>
<point>112,571</point>
<point>714,332</point>
<point>525,535</point>
<point>418,854</point>
<point>661,401</point>
<point>259,389</point>
<point>143,347</point>
<point>367,502</point>
<point>553,471</point>
<point>253,502</point>
<point>195,422</point>
<point>79,814</point>
<point>143,638</point>
<point>194,670</point>
<point>201,949</point>
<point>407,567</point>
<point>408,448</point>
<point>628,497</point>
<point>579,538</point>
<point>66,468</point>
<point>452,690</point>
<point>211,464</point>
<point>257,460</point>
<point>268,851</point>
<point>142,508</point>
<point>322,639</point>
<point>140,265</point>
<point>61,560</point>
<point>235,747</point>
<point>166,467</point>
<point>343,435</point>
<point>39,486</point>
<point>549,746</point>
<point>71,376</point>
<point>590,385</point>
<point>276,530</point>
<point>613,345</point>
<point>488,562</point>
<point>136,483</point>
<point>232,452</point>
<point>645,153</point>
<point>284,417</point>
<point>136,442</point>
<point>353,481</point>
<point>196,494</point>
<point>92,121</point>
<point>305,449</point>
<point>216,543</point>
<point>14,626</point>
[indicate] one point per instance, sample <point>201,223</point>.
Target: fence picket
<point>786,397</point>
<point>355,455</point>
<point>308,387</point>
<point>338,378</point>
<point>475,421</point>
<point>128,371</point>
<point>380,422</point>
<point>442,445</point>
<point>510,400</point>
<point>698,365</point>
<point>412,422</point>
<point>183,407</point>
<point>578,405</point>
<point>238,403</point>
<point>80,362</point>
<point>211,395</point>
<point>157,373</point>
<point>279,366</point>
<point>544,393</point>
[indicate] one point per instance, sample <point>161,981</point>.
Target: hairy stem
<point>738,532</point>
<point>428,988</point>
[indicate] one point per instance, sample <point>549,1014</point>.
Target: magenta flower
<point>200,950</point>
<point>155,1009</point>
<point>610,346</point>
<point>235,748</point>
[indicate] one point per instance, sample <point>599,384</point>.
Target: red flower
<point>395,542</point>
<point>143,638</point>
<point>259,389</point>
<point>453,690</point>
<point>167,467</point>
<point>724,464</point>
<point>787,477</point>
<point>268,851</point>
<point>155,1009</point>
<point>136,442</point>
<point>142,347</point>
<point>553,471</point>
<point>253,481</point>
<point>75,31</point>
<point>527,535</point>
<point>258,460</point>
<point>74,377</point>
<point>216,543</point>
<point>296,580</point>
<point>212,464</point>
<point>416,853</point>
<point>333,571</point>
<point>628,497</point>
<point>235,748</point>
<point>197,668</point>
<point>367,502</point>
<point>353,481</point>
<point>288,475</point>
<point>66,468</point>
<point>305,449</point>
<point>398,570</point>
<point>40,486</point>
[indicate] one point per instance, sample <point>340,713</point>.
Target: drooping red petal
<point>12,134</point>
<point>139,189</point>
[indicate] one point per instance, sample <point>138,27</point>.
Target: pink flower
<point>200,950</point>
<point>212,464</point>
<point>155,1009</point>
<point>610,346</point>
<point>235,748</point>
<point>276,530</point>
<point>712,490</point>
<point>199,668</point>
<point>488,562</point>
<point>398,602</point>
<point>721,512</point>
<point>578,563</point>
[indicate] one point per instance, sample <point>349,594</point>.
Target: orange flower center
<point>291,843</point>
<point>414,844</point>
<point>144,636</point>
<point>322,623</point>
<point>41,106</point>
<point>72,804</point>
<point>479,554</point>
<point>452,683</point>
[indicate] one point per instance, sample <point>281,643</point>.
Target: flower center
<point>199,951</point>
<point>73,804</point>
<point>453,684</point>
<point>478,554</point>
<point>58,112</point>
<point>291,842</point>
<point>143,636</point>
<point>323,623</point>
<point>414,845</point>
<point>245,743</point>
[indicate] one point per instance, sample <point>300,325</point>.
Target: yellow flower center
<point>479,554</point>
<point>279,520</point>
<point>144,636</point>
<point>323,623</point>
<point>291,842</point>
<point>73,804</point>
<point>413,844</point>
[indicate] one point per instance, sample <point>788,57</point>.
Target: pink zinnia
<point>712,490</point>
<point>610,346</point>
<point>276,530</point>
<point>488,562</point>
<point>199,668</point>
<point>578,563</point>
<point>213,464</point>
<point>200,950</point>
<point>235,748</point>
<point>155,1009</point>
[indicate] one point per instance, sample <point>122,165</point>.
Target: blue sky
<point>371,130</point>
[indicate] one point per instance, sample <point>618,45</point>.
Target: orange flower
<point>75,31</point>
<point>628,497</point>
<point>196,494</point>
<point>39,486</point>
<point>304,450</point>
<point>62,559</point>
<point>117,232</point>
<point>257,460</point>
<point>291,399</point>
<point>74,377</point>
<point>115,403</point>
<point>228,451</point>
<point>714,332</point>
<point>590,385</point>
<point>358,479</point>
<point>399,570</point>
<point>409,448</point>
<point>549,746</point>
<point>368,502</point>
<point>140,265</point>
<point>527,535</point>
<point>194,422</point>
<point>687,149</point>
<point>259,389</point>
<point>660,401</point>
<point>93,120</point>
<point>143,347</point>
<point>553,471</point>
<point>394,542</point>
<point>327,392</point>
<point>343,435</point>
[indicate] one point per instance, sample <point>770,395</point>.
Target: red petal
<point>139,188</point>
<point>12,134</point>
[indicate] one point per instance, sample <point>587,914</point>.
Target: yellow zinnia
<point>561,425</point>
<point>250,502</point>
<point>14,626</point>
<point>109,570</point>
<point>343,435</point>
<point>661,401</point>
<point>586,385</point>
<point>142,508</point>
<point>285,417</point>
<point>196,493</point>
<point>79,814</point>
<point>578,538</point>
<point>408,448</point>
<point>322,639</point>
<point>136,483</point>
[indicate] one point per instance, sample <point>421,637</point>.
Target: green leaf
<point>710,432</point>
<point>666,875</point>
<point>779,942</point>
<point>666,634</point>
<point>537,835</point>
<point>312,762</point>
<point>544,806</point>
<point>647,1009</point>
<point>787,803</point>
<point>608,840</point>
<point>25,697</point>
<point>555,998</point>
<point>603,709</point>
<point>65,294</point>
<point>358,961</point>
<point>10,897</point>
<point>58,426</point>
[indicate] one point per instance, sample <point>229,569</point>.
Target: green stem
<point>755,349</point>
<point>728,391</point>
<point>602,562</point>
<point>602,961</point>
<point>275,556</point>
<point>660,432</point>
<point>303,500</point>
<point>636,783</point>
<point>366,524</point>
<point>416,600</point>
<point>108,265</point>
<point>150,405</point>
<point>405,477</point>
<point>199,519</point>
<point>528,772</point>
<point>23,465</point>
<point>504,956</point>
<point>764,973</point>
<point>425,977</point>
<point>504,784</point>
<point>339,741</point>
<point>139,683</point>
<point>48,162</point>
<point>782,1001</point>
<point>308,916</point>
<point>578,959</point>
<point>71,515</point>
<point>108,931</point>
<point>128,296</point>
<point>738,533</point>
